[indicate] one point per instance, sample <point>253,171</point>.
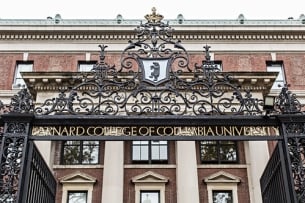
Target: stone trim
<point>185,37</point>
<point>222,181</point>
<point>77,181</point>
<point>222,177</point>
<point>221,166</point>
<point>77,166</point>
<point>150,166</point>
<point>150,181</point>
<point>77,177</point>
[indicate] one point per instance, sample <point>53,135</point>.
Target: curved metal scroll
<point>287,102</point>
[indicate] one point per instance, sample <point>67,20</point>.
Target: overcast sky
<point>136,9</point>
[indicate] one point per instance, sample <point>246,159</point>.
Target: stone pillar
<point>187,176</point>
<point>257,156</point>
<point>113,177</point>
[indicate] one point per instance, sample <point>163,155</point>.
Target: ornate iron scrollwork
<point>22,102</point>
<point>287,103</point>
<point>296,148</point>
<point>10,167</point>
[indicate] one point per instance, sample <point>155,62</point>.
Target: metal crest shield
<point>155,70</point>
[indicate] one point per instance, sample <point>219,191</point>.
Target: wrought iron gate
<point>24,175</point>
<point>275,185</point>
<point>39,181</point>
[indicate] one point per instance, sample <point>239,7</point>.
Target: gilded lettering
<point>210,131</point>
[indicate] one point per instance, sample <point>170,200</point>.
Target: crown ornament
<point>154,17</point>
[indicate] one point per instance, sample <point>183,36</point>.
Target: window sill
<point>222,166</point>
<point>78,166</point>
<point>149,166</point>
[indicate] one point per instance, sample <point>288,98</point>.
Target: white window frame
<point>222,181</point>
<point>153,151</point>
<point>86,66</point>
<point>18,82</point>
<point>218,65</point>
<point>149,181</point>
<point>77,181</point>
<point>280,79</point>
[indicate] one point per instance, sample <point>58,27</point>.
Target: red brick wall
<point>243,62</point>
<point>7,69</point>
<point>294,63</point>
<point>56,62</point>
<point>47,62</point>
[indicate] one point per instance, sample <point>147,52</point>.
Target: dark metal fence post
<point>287,164</point>
<point>293,127</point>
<point>13,154</point>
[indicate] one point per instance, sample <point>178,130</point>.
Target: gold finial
<point>154,17</point>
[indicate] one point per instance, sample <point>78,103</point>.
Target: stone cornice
<point>220,35</point>
<point>55,81</point>
<point>123,29</point>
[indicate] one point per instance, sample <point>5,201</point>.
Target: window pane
<point>150,151</point>
<point>150,197</point>
<point>21,67</point>
<point>136,153</point>
<point>86,66</point>
<point>71,154</point>
<point>155,152</point>
<point>80,152</point>
<point>209,153</point>
<point>140,150</point>
<point>222,197</point>
<point>163,152</point>
<point>159,150</point>
<point>218,151</point>
<point>228,152</point>
<point>280,79</point>
<point>90,154</point>
<point>144,153</point>
<point>77,197</point>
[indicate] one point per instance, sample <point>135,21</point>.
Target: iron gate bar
<point>39,181</point>
<point>287,162</point>
<point>275,181</point>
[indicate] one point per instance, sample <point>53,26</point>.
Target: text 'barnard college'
<point>155,131</point>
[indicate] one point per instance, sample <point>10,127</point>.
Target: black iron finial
<point>287,102</point>
<point>207,52</point>
<point>22,102</point>
<point>102,53</point>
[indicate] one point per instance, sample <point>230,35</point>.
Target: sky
<point>136,9</point>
